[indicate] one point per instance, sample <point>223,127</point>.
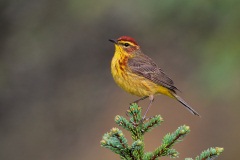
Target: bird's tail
<point>185,104</point>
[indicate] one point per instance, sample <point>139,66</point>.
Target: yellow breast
<point>130,82</point>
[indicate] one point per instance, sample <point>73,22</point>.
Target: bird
<point>139,75</point>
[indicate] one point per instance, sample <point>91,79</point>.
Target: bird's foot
<point>144,119</point>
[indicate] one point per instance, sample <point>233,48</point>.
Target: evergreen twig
<point>116,141</point>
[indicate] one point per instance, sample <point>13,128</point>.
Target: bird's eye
<point>126,44</point>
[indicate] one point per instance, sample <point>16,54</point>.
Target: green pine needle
<point>151,123</point>
<point>135,112</point>
<point>168,141</point>
<point>116,141</point>
<point>210,154</point>
<point>123,122</point>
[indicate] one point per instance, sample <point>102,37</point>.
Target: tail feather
<point>185,104</point>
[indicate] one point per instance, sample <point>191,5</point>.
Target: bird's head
<point>125,44</point>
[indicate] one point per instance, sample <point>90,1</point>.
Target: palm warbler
<point>139,75</point>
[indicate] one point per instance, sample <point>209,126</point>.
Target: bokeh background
<point>57,96</point>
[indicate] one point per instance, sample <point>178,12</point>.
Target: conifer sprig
<point>116,141</point>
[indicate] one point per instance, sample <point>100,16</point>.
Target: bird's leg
<point>151,98</point>
<point>140,99</point>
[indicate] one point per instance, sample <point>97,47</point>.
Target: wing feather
<point>144,66</point>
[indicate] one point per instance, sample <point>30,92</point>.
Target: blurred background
<point>57,96</point>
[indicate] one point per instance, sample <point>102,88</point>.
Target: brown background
<point>57,96</point>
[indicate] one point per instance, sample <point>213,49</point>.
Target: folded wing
<point>144,66</point>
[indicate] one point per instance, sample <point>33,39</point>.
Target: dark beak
<point>113,41</point>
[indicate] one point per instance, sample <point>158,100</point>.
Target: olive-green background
<point>57,96</point>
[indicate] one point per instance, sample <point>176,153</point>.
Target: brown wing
<point>144,66</point>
